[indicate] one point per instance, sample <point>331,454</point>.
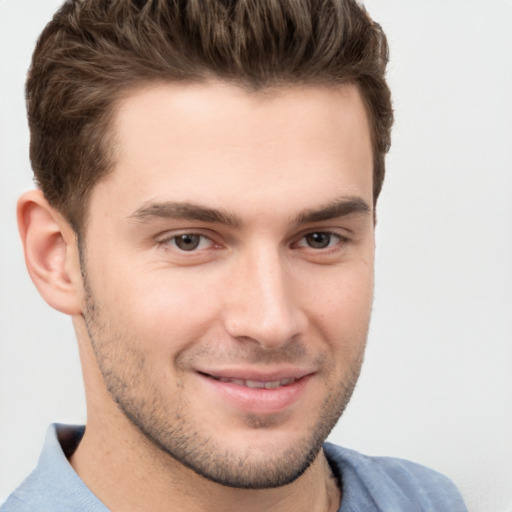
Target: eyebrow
<point>184,211</point>
<point>340,207</point>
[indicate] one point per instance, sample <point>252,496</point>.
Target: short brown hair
<point>94,51</point>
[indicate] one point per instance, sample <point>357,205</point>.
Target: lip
<point>257,400</point>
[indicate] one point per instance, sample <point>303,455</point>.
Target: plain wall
<point>437,383</point>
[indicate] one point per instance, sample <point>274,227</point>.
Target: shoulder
<point>393,482</point>
<point>27,497</point>
<point>54,485</point>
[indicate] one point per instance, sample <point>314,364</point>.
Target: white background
<point>437,383</point>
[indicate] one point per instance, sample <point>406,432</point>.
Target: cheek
<point>341,307</point>
<point>165,310</point>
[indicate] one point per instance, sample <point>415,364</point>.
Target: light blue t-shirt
<point>370,484</point>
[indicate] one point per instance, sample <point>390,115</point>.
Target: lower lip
<point>258,400</point>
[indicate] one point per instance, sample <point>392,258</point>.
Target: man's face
<point>228,267</point>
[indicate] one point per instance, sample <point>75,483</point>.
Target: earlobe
<point>51,253</point>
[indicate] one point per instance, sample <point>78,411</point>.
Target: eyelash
<point>339,240</point>
<point>173,241</point>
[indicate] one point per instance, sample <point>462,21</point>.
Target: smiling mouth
<point>255,392</point>
<point>256,384</point>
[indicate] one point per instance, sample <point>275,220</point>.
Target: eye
<point>320,240</point>
<point>190,242</point>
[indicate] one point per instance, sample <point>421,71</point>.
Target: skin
<point>233,241</point>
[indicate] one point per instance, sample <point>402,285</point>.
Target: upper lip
<point>254,374</point>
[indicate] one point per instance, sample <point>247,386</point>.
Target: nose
<point>261,305</point>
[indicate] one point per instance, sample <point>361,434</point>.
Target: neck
<point>145,478</point>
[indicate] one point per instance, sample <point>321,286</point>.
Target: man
<point>208,174</point>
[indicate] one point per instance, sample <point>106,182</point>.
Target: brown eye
<point>187,241</point>
<point>319,240</point>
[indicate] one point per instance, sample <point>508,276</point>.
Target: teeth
<point>257,384</point>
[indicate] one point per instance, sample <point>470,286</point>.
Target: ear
<point>51,253</point>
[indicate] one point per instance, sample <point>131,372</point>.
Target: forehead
<point>216,143</point>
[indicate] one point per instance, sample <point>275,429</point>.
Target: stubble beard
<point>127,377</point>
